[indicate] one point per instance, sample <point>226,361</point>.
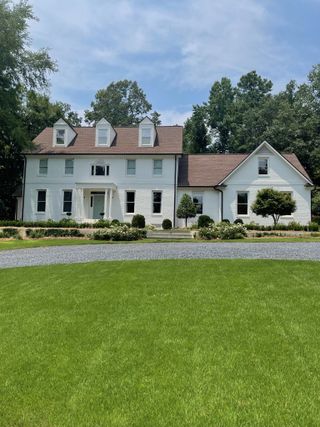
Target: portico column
<point>110,203</point>
<point>105,203</point>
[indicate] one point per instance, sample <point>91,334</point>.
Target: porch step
<point>169,235</point>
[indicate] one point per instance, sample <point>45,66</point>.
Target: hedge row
<point>121,233</point>
<point>53,232</point>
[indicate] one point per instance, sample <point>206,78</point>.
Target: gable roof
<point>168,141</point>
<point>209,170</point>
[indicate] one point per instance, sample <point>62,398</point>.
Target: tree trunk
<point>186,221</point>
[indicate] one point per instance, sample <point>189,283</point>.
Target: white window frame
<point>126,202</point>
<point>153,202</point>
<point>154,168</point>
<point>94,168</point>
<point>198,195</point>
<point>46,167</point>
<point>247,204</point>
<point>127,167</point>
<point>268,165</point>
<point>105,138</point>
<point>142,142</point>
<point>69,201</point>
<point>65,167</point>
<point>57,130</point>
<point>41,201</point>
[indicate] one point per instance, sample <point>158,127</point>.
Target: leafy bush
<point>53,232</point>
<point>121,233</point>
<point>238,221</point>
<point>68,222</point>
<point>35,234</point>
<point>138,221</point>
<point>167,224</point>
<point>296,226</point>
<point>223,231</point>
<point>204,221</point>
<point>102,223</point>
<point>226,220</point>
<point>313,226</point>
<point>9,233</point>
<point>115,222</point>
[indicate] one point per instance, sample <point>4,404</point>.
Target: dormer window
<point>102,136</point>
<point>263,167</point>
<point>60,136</point>
<point>147,133</point>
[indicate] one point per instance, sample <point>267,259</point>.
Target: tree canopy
<point>274,203</point>
<point>122,103</point>
<point>186,209</point>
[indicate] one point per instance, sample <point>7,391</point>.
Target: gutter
<point>219,188</point>
<point>175,191</point>
<point>23,184</point>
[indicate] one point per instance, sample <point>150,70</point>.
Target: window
<point>263,166</point>
<point>102,136</point>
<point>130,199</point>
<point>146,136</point>
<point>131,167</point>
<point>68,167</point>
<point>60,136</point>
<point>67,201</point>
<point>41,201</point>
<point>157,167</point>
<point>43,166</point>
<point>157,198</point>
<point>198,202</point>
<point>100,170</point>
<point>242,203</point>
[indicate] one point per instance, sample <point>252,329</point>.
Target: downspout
<point>23,184</point>
<point>220,191</point>
<point>175,191</point>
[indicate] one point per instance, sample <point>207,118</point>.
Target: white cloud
<point>172,117</point>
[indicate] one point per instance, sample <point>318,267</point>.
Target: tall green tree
<point>186,209</point>
<point>122,103</point>
<point>39,112</point>
<point>21,68</point>
<point>196,137</point>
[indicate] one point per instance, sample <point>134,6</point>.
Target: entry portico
<point>93,201</point>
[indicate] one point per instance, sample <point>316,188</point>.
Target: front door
<point>98,206</point>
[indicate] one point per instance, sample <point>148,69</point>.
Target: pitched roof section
<point>208,170</point>
<point>168,141</point>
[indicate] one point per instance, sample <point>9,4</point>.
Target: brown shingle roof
<point>208,170</point>
<point>168,141</point>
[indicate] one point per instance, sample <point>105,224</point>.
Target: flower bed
<point>121,233</point>
<point>223,231</point>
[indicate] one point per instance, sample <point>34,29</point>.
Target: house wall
<point>143,183</point>
<point>211,203</point>
<point>281,177</point>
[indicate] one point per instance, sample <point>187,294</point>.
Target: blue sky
<point>175,49</point>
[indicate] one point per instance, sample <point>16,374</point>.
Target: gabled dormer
<point>105,133</point>
<point>147,133</point>
<point>63,134</point>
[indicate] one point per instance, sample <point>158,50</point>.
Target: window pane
<point>68,170</point>
<point>146,136</point>
<point>41,203</point>
<point>157,167</point>
<point>60,136</point>
<point>67,201</point>
<point>43,166</point>
<point>242,197</point>
<point>242,206</point>
<point>130,201</point>
<point>263,166</point>
<point>157,196</point>
<point>102,136</point>
<point>131,167</point>
<point>100,170</point>
<point>197,200</point>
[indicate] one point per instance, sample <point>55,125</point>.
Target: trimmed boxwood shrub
<point>226,220</point>
<point>138,221</point>
<point>313,226</point>
<point>204,221</point>
<point>115,222</point>
<point>238,221</point>
<point>167,224</point>
<point>53,232</point>
<point>102,223</point>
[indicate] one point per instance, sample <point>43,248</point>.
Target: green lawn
<point>161,343</point>
<point>23,244</point>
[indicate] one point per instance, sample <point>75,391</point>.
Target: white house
<point>88,173</point>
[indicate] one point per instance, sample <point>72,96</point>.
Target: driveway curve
<point>149,251</point>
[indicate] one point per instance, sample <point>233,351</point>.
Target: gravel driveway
<point>106,252</point>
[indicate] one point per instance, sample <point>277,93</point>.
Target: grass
<point>161,343</point>
<point>24,244</point>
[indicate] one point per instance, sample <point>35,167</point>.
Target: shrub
<point>9,233</point>
<point>68,222</point>
<point>296,226</point>
<point>313,226</point>
<point>115,222</point>
<point>102,223</point>
<point>204,221</point>
<point>35,234</point>
<point>138,221</point>
<point>226,220</point>
<point>167,224</point>
<point>238,221</point>
<point>121,233</point>
<point>223,231</point>
<point>53,232</point>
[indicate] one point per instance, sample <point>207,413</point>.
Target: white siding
<point>211,204</point>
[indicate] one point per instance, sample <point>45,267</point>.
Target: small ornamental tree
<point>270,202</point>
<point>186,209</point>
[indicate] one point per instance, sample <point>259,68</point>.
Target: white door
<point>98,206</point>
